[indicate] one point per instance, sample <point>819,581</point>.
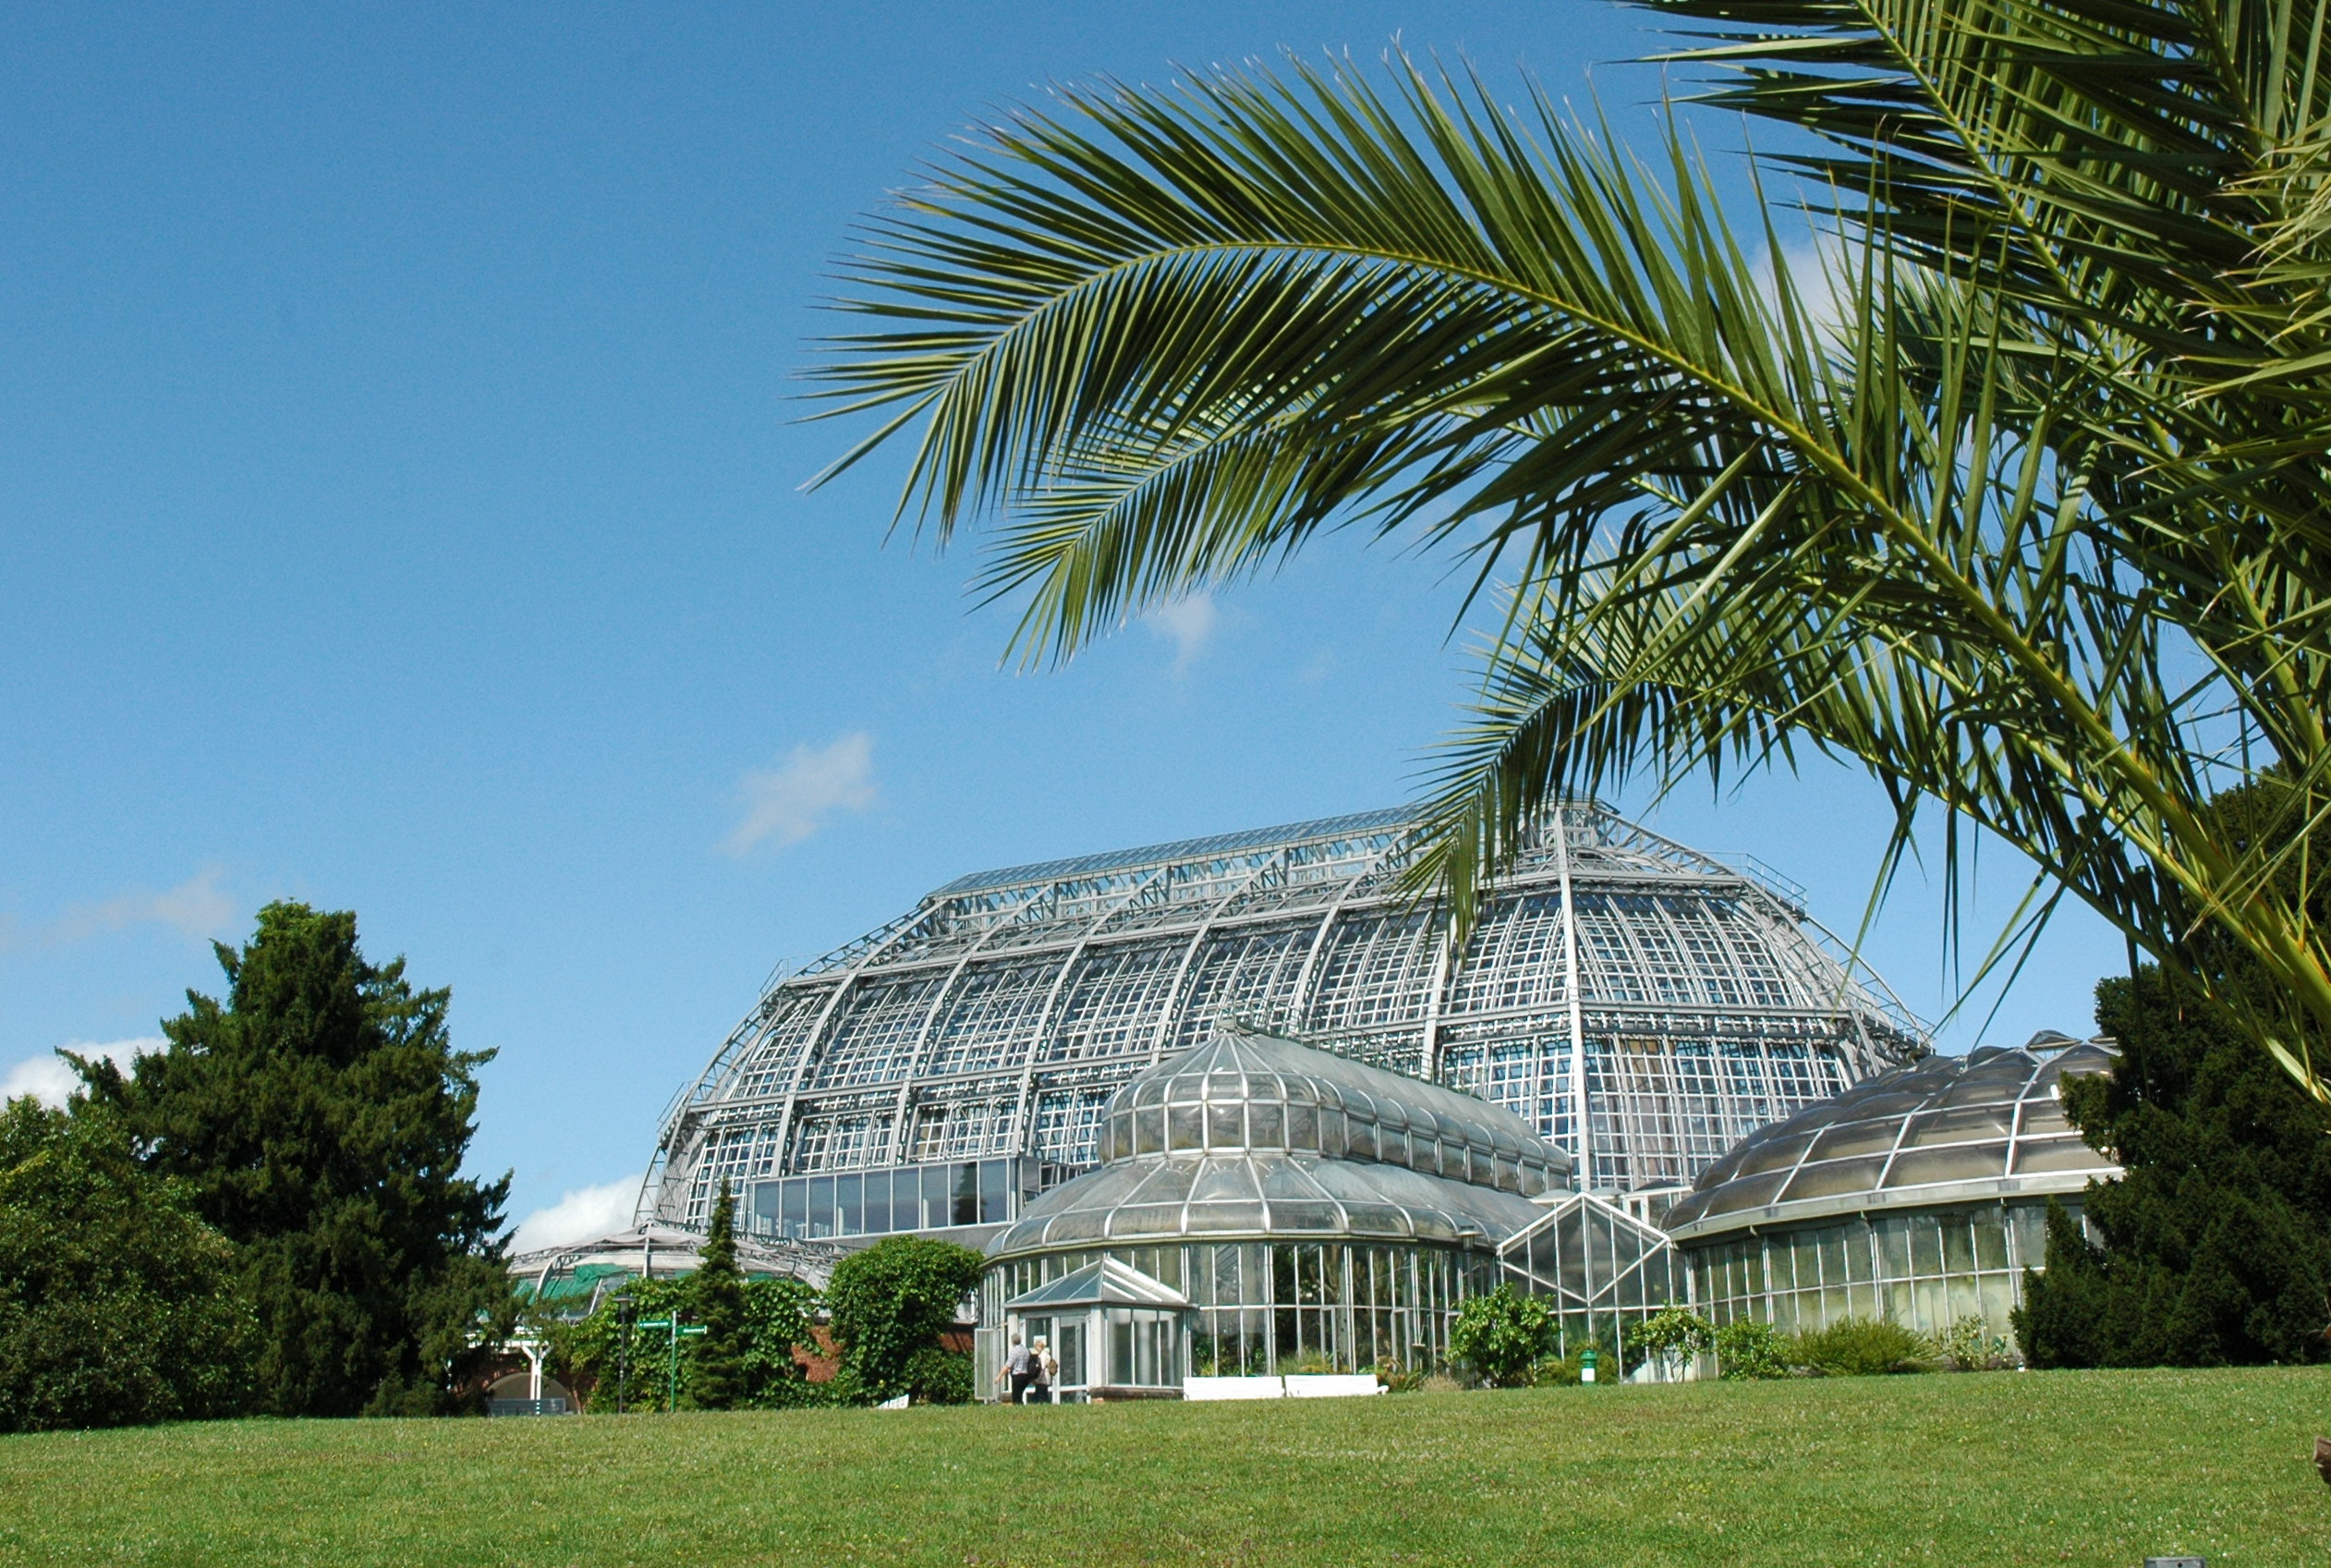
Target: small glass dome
<point>1989,1124</point>
<point>1249,1136</point>
<point>1246,1092</point>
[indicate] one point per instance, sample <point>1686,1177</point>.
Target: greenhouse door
<point>1065,1335</point>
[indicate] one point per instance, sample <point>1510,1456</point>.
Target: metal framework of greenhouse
<point>1640,1004</point>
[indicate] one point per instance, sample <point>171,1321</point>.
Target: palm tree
<point>2022,507</point>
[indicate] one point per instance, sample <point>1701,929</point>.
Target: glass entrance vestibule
<point>1115,1332</point>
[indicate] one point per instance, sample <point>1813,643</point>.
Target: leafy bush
<point>1554,1372</point>
<point>1397,1378</point>
<point>939,1375</point>
<point>1677,1328</point>
<point>893,1300</point>
<point>1747,1347</point>
<point>1862,1347</point>
<point>116,1305</point>
<point>779,1315</point>
<point>1672,1336</point>
<point>1968,1345</point>
<point>1501,1334</point>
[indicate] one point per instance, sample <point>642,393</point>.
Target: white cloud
<point>789,802</point>
<point>584,1214</point>
<point>1820,270</point>
<point>1188,624</point>
<point>196,908</point>
<point>50,1080</point>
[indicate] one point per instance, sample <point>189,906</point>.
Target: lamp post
<point>672,1322</point>
<point>627,1314</point>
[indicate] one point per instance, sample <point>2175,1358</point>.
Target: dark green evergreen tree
<point>891,1303</point>
<point>319,1117</point>
<point>2215,1246</point>
<point>716,1366</point>
<point>118,1306</point>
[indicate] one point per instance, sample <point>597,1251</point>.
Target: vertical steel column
<point>1579,1122</point>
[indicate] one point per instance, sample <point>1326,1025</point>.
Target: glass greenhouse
<point>1638,1006</point>
<point>1310,1214</point>
<point>1319,1214</point>
<point>1917,1196</point>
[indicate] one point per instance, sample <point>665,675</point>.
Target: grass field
<point>2093,1469</point>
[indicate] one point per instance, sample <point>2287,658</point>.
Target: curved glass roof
<point>1988,1125</point>
<point>1239,1178</point>
<point>1638,1004</point>
<point>1246,1092</point>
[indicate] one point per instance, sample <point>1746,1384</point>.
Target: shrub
<point>1672,1336</point>
<point>893,1300</point>
<point>1675,1329</point>
<point>1862,1347</point>
<point>1501,1334</point>
<point>1747,1347</point>
<point>1968,1345</point>
<point>1554,1372</point>
<point>118,1306</point>
<point>1397,1378</point>
<point>939,1375</point>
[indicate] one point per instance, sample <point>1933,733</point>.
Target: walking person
<point>1019,1368</point>
<point>1040,1390</point>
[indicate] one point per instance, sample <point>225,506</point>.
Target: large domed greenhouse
<point>1640,1006</point>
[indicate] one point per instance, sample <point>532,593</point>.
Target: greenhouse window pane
<point>1184,1127</point>
<point>2058,1154</point>
<point>1855,1138</point>
<point>1958,1237</point>
<point>1926,1167</point>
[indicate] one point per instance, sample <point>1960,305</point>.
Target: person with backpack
<point>1043,1373</point>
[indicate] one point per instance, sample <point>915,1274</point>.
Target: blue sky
<point>400,510</point>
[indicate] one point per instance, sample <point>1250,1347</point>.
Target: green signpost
<point>672,1381</point>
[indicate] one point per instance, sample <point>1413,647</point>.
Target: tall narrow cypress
<point>716,1367</point>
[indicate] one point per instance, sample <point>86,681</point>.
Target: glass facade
<point>1262,1309</point>
<point>868,1203</point>
<point>1639,1006</point>
<point>1924,1269</point>
<point>1916,1196</point>
<point>1601,1268</point>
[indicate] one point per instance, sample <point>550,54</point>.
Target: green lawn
<point>2085,1468</point>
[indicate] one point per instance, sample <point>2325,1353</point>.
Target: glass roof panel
<point>1747,1192</point>
<point>1833,1177</point>
<point>1954,1118</point>
<point>1966,1124</point>
<point>1856,1137</point>
<point>2034,1156</point>
<point>1964,1162</point>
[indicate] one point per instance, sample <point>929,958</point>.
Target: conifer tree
<point>2214,1246</point>
<point>716,1369</point>
<point>318,1117</point>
